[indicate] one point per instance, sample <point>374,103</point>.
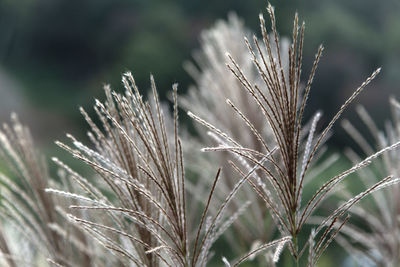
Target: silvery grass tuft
<point>378,241</point>
<point>33,217</point>
<point>214,85</point>
<point>135,210</point>
<point>280,184</point>
<point>146,204</point>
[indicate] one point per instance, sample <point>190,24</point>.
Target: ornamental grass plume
<point>35,228</point>
<point>141,208</point>
<point>214,84</point>
<point>280,184</point>
<point>376,238</point>
<point>144,171</point>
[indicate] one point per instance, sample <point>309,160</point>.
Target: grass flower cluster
<point>160,196</point>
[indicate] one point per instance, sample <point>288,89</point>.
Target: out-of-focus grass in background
<point>56,55</point>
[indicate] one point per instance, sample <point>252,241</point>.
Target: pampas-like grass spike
<point>280,99</point>
<point>140,208</point>
<point>36,215</point>
<point>140,160</point>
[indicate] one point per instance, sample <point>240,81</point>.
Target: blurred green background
<point>56,55</point>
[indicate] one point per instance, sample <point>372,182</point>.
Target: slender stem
<point>294,238</point>
<point>296,257</point>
